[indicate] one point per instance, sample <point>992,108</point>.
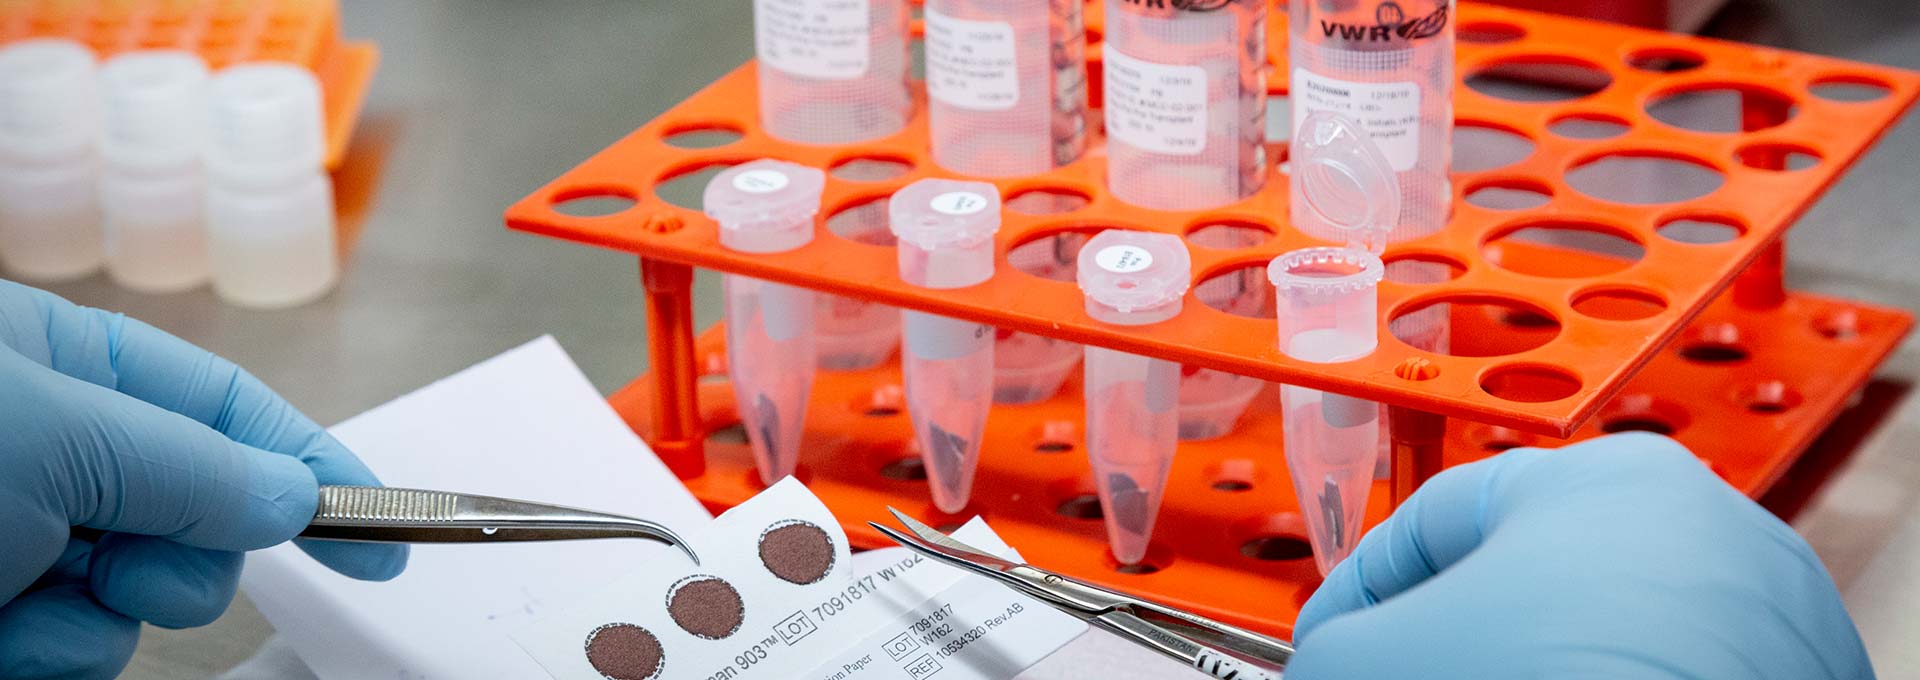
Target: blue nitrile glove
<point>1621,557</point>
<point>134,469</point>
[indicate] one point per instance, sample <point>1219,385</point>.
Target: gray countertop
<point>478,102</point>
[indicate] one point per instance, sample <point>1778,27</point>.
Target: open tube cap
<point>1134,277</point>
<point>1350,192</point>
<point>765,206</point>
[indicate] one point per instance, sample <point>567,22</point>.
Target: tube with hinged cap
<point>1131,278</point>
<point>945,231</point>
<point>1327,305</point>
<point>768,206</point>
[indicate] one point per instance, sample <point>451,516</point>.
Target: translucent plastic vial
<point>1006,85</point>
<point>768,206</point>
<point>832,71</point>
<point>1132,278</point>
<point>945,231</point>
<point>153,189</point>
<point>1185,101</point>
<point>49,119</point>
<point>1388,65</point>
<point>1327,300</point>
<point>270,220</point>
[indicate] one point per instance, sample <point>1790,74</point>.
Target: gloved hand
<point>1620,557</point>
<point>134,470</point>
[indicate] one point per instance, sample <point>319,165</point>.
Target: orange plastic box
<point>1549,330</point>
<point>304,32</point>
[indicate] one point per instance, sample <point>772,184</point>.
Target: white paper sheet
<point>525,424</point>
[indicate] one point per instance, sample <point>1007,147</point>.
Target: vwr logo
<point>1183,5</point>
<point>1391,23</point>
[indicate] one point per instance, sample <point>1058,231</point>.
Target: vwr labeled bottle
<point>1185,101</point>
<point>1006,84</point>
<point>832,71</point>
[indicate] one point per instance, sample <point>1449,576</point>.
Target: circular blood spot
<point>797,552</point>
<point>623,651</point>
<point>706,606</point>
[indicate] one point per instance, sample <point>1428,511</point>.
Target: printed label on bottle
<point>971,64</point>
<point>760,181</point>
<point>1157,107</point>
<point>829,39</point>
<point>958,203</point>
<point>1123,259</point>
<point>935,337</point>
<point>1389,111</point>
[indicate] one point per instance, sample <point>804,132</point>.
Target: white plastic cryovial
<point>1388,65</point>
<point>270,221</point>
<point>768,206</point>
<point>945,231</point>
<point>1185,100</point>
<point>1006,85</point>
<point>153,189</point>
<point>1327,303</point>
<point>1132,278</point>
<point>49,119</point>
<point>832,71</point>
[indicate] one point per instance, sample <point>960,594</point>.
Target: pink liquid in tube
<point>1185,101</point>
<point>832,71</point>
<point>1006,85</point>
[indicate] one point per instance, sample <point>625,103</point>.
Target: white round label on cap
<point>760,181</point>
<point>959,203</point>
<point>1123,259</point>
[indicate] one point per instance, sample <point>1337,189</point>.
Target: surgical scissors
<point>1217,649</point>
<point>386,515</point>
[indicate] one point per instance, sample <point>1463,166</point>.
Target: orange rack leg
<point>1418,437</point>
<point>677,437</point>
<point>1763,284</point>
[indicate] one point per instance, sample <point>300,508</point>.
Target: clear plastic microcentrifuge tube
<point>270,219</point>
<point>1326,301</point>
<point>49,119</point>
<point>945,230</point>
<point>153,188</point>
<point>1185,102</point>
<point>1006,85</point>
<point>1388,65</point>
<point>832,71</point>
<point>1132,278</point>
<point>768,206</point>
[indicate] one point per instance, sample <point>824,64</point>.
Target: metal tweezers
<point>1217,649</point>
<point>385,515</point>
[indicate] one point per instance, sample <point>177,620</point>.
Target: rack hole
<point>593,202</point>
<point>688,189</point>
<point>905,470</point>
<point>1478,147</point>
<point>735,434</point>
<point>1530,383</point>
<point>1475,325</point>
<point>1277,548</point>
<point>1563,249</point>
<point>1778,157</point>
<point>871,168</point>
<point>1645,177</point>
<point>1589,126</point>
<point>1279,119</point>
<point>1637,412</point>
<point>1137,569</point>
<point>1769,398</point>
<point>1083,506</point>
<point>1423,268</point>
<point>1229,235</point>
<point>1714,353</point>
<point>1666,59</point>
<point>1850,89</point>
<point>1054,256</point>
<point>1241,291</point>
<point>1722,110</point>
<point>1701,230</point>
<point>884,402</point>
<point>1233,485</point>
<point>1619,304</point>
<point>1539,78</point>
<point>702,137</point>
<point>1637,425</point>
<point>863,222</point>
<point>1841,324</point>
<point>1489,32</point>
<point>1509,195</point>
<point>1048,201</point>
<point>1052,447</point>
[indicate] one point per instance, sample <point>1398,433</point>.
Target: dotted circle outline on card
<point>673,590</point>
<point>833,555</point>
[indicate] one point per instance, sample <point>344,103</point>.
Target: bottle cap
<point>265,123</point>
<point>49,104</point>
<point>155,108</point>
